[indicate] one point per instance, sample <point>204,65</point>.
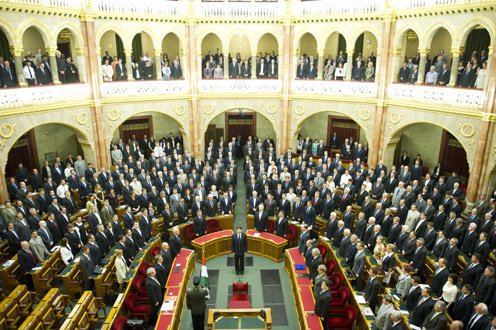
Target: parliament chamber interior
<point>248,164</point>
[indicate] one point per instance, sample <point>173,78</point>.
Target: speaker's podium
<point>254,318</point>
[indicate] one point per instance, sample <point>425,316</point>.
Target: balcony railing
<point>440,96</point>
<point>335,88</point>
<point>14,98</point>
<point>240,9</point>
<point>144,88</point>
<point>326,8</point>
<point>151,8</point>
<point>419,4</point>
<point>240,86</point>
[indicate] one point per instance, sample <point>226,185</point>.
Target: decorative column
<point>349,63</point>
<point>253,65</point>
<point>183,56</point>
<point>53,65</point>
<point>199,64</point>
<point>99,71</point>
<point>287,77</point>
<point>396,64</point>
<point>18,66</point>
<point>454,66</point>
<point>490,63</point>
<point>79,59</point>
<point>226,65</point>
<point>194,77</point>
<point>128,53</point>
<point>320,71</point>
<point>4,195</point>
<point>158,66</point>
<point>423,58</point>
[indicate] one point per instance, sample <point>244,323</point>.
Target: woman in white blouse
<point>340,72</point>
<point>65,251</point>
<point>481,76</point>
<point>450,290</point>
<point>404,281</point>
<point>120,268</point>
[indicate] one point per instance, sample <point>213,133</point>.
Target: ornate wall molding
<point>143,88</point>
<point>239,86</point>
<point>337,88</point>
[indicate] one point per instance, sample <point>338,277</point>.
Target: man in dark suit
<point>479,319</point>
<point>423,307</point>
<point>87,267</point>
<point>160,270</point>
<point>261,219</point>
<point>314,264</point>
<point>436,320</point>
<point>199,224</point>
<point>440,277</point>
<point>451,253</point>
<point>473,271</point>
<point>419,256</point>
<point>372,288</point>
<point>166,257</point>
<point>413,295</point>
<point>225,204</point>
<point>304,237</point>
<point>175,243</point>
<point>485,286</point>
<point>27,261</point>
<point>462,307</point>
<point>155,296</point>
<point>467,78</point>
<point>323,302</point>
<point>281,227</point>
<point>239,247</point>
<point>95,251</point>
<point>196,301</point>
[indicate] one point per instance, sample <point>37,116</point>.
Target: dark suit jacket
<point>281,228</point>
<point>199,226</point>
<point>314,264</point>
<point>87,267</point>
<point>26,261</point>
<point>471,275</point>
<point>438,282</point>
<point>154,292</point>
<point>175,246</point>
<point>261,222</point>
<point>323,303</point>
<point>481,324</point>
<point>239,246</point>
<point>484,289</point>
<point>421,311</point>
<point>451,255</point>
<point>412,298</point>
<point>462,309</point>
<point>437,323</point>
<point>161,274</point>
<point>371,291</point>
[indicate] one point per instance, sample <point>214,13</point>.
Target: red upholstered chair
<point>189,232</point>
<point>120,323</point>
<point>342,318</point>
<point>155,250</point>
<point>340,299</point>
<point>331,265</point>
<point>291,234</point>
<point>271,227</point>
<point>143,268</point>
<point>323,250</point>
<point>139,286</point>
<point>240,291</point>
<point>213,226</point>
<point>337,280</point>
<point>135,309</point>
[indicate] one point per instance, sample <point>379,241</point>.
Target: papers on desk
<point>75,260</point>
<point>55,248</point>
<point>167,306</point>
<point>82,210</point>
<point>404,312</point>
<point>423,286</point>
<point>326,239</point>
<point>8,263</point>
<point>360,299</point>
<point>414,327</point>
<point>256,235</point>
<point>36,268</point>
<point>295,222</point>
<point>367,311</point>
<point>396,297</point>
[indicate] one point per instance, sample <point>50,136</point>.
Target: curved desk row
<point>225,222</point>
<point>263,244</point>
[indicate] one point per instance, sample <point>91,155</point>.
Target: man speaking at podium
<point>239,247</point>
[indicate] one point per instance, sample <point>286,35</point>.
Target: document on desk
<point>55,248</point>
<point>360,299</point>
<point>256,235</point>
<point>367,311</point>
<point>8,263</point>
<point>35,268</point>
<point>167,306</point>
<point>325,239</point>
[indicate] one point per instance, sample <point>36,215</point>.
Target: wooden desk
<point>10,273</point>
<point>250,224</point>
<point>266,244</point>
<point>302,290</point>
<point>72,277</point>
<point>239,314</point>
<point>177,285</point>
<point>362,321</point>
<point>215,244</point>
<point>44,275</point>
<point>226,222</point>
<point>115,312</point>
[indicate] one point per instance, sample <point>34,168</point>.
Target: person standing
<point>239,247</point>
<point>196,301</point>
<point>155,296</point>
<point>87,267</point>
<point>323,303</point>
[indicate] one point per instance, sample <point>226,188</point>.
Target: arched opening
<point>308,57</point>
<point>34,50</point>
<point>409,45</point>
<point>364,61</point>
<point>47,142</point>
<point>143,57</point>
<point>141,128</point>
<point>170,53</point>
<point>66,43</point>
<point>437,146</point>
<point>476,52</point>
<point>111,45</point>
<point>267,60</point>
<point>337,133</point>
<point>440,52</point>
<point>239,57</point>
<point>334,54</point>
<point>239,122</point>
<point>212,57</point>
<point>4,45</point>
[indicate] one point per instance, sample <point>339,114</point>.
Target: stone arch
<point>204,51</point>
<point>465,30</point>
<point>172,34</point>
<point>144,35</point>
<point>10,32</point>
<point>302,51</point>
<point>432,30</point>
<point>76,34</point>
<point>327,47</point>
<point>374,43</point>
<point>267,35</point>
<point>401,33</point>
<point>44,31</point>
<point>244,42</point>
<point>300,35</point>
<point>126,39</point>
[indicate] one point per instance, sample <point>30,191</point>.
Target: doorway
<point>138,126</point>
<point>241,124</point>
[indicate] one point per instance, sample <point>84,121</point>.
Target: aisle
<point>240,209</point>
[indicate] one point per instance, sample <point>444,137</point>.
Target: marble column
<point>99,68</point>
<point>80,63</point>
<point>397,64</point>
<point>490,63</point>
<point>226,65</point>
<point>320,72</point>
<point>129,68</point>
<point>4,195</point>
<point>53,65</point>
<point>253,65</point>
<point>158,66</point>
<point>423,58</point>
<point>349,63</point>
<point>285,66</point>
<point>17,51</point>
<point>454,66</point>
<point>195,75</point>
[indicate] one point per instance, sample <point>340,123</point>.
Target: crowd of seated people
<point>471,70</point>
<point>36,70</point>
<point>114,69</point>
<point>335,67</point>
<point>266,66</point>
<point>401,211</point>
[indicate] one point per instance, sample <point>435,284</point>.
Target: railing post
<point>53,65</point>
<point>226,65</point>
<point>129,68</point>
<point>253,65</point>
<point>320,68</point>
<point>17,51</point>
<point>423,58</point>
<point>454,67</point>
<point>158,66</point>
<point>349,63</point>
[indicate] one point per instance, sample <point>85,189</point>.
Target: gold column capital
<point>158,53</point>
<point>51,51</point>
<point>80,51</point>
<point>320,52</point>
<point>490,50</point>
<point>350,52</point>
<point>396,52</point>
<point>87,16</point>
<point>456,51</point>
<point>424,51</point>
